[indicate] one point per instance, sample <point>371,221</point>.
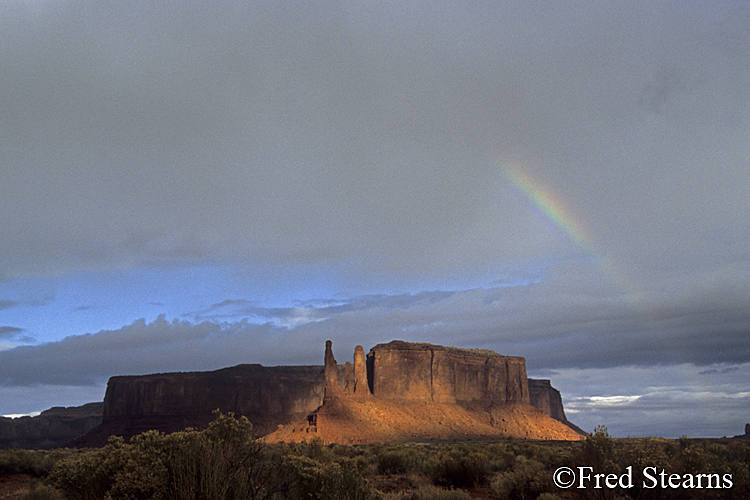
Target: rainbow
<point>553,208</point>
<point>550,206</point>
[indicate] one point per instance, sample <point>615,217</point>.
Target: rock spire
<point>331,371</point>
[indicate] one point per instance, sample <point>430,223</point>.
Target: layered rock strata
<point>51,428</point>
<point>268,396</point>
<point>545,397</point>
<point>425,372</point>
<point>274,396</point>
<point>424,391</point>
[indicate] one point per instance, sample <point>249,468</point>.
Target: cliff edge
<point>400,373</point>
<point>429,392</point>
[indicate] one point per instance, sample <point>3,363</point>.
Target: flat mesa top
<point>424,346</point>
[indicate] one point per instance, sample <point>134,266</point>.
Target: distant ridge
<point>51,428</point>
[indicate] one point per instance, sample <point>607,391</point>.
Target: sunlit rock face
<point>274,396</point>
<point>428,392</point>
<point>424,372</point>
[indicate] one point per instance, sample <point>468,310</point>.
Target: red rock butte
<point>414,391</point>
<point>400,391</point>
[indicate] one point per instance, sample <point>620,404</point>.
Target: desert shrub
<point>462,469</point>
<point>526,479</point>
<point>392,462</point>
<point>222,462</point>
<point>90,476</point>
<point>310,479</point>
<point>598,451</point>
<point>736,451</point>
<point>340,450</point>
<point>424,462</point>
<point>35,462</point>
<point>315,449</point>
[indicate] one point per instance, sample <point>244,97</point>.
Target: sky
<point>190,185</point>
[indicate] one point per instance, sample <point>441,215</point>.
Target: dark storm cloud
<point>367,134</point>
<point>134,349</point>
<point>371,139</point>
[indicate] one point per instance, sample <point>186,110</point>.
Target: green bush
<point>219,463</point>
<point>310,479</point>
<point>462,470</point>
<point>393,462</point>
<point>526,479</point>
<point>90,476</point>
<point>598,451</point>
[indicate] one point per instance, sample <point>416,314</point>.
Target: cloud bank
<point>568,182</point>
<point>372,136</point>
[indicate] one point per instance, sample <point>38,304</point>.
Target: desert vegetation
<point>225,462</point>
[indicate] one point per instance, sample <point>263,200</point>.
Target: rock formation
<point>361,387</point>
<point>424,391</point>
<point>275,396</point>
<point>331,372</point>
<point>545,397</point>
<point>51,428</point>
<point>425,372</point>
<point>348,378</point>
<point>268,396</point>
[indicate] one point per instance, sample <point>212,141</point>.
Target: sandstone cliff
<point>274,396</point>
<point>545,397</point>
<point>247,389</point>
<point>548,399</point>
<point>425,372</point>
<point>168,402</point>
<point>425,392</point>
<point>51,428</point>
